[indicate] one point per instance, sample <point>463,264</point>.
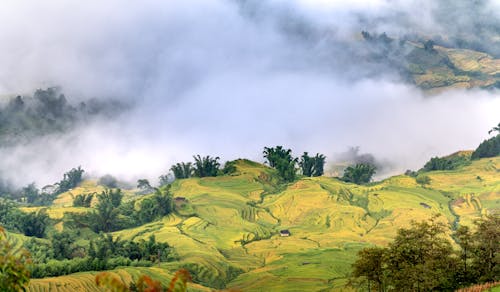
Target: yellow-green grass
<point>86,281</point>
<point>56,212</point>
<point>446,68</point>
<point>86,187</point>
<point>234,221</point>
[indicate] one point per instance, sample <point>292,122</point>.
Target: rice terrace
<point>249,145</point>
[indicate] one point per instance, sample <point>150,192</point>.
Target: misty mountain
<point>49,112</point>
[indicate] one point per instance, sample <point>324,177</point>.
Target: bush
<point>423,179</point>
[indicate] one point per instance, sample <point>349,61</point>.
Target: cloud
<point>224,78</point>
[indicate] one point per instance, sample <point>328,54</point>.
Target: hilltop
<point>226,230</point>
<point>434,66</point>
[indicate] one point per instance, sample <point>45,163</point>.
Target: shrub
<point>423,179</point>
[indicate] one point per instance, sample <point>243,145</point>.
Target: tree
<point>159,205</point>
<point>463,237</point>
<point>206,166</point>
<point>319,164</point>
<point>420,258</point>
<point>429,46</point>
<point>488,148</point>
<point>486,250</point>
<point>144,185</point>
<point>105,217</point>
<point>182,170</point>
<point>165,179</point>
<point>360,173</point>
<point>62,245</point>
<point>31,193</point>
<point>281,159</point>
<point>229,167</point>
<point>370,264</point>
<point>83,200</point>
<point>14,274</point>
<point>495,129</point>
<point>306,163</point>
<point>71,179</point>
<point>34,223</point>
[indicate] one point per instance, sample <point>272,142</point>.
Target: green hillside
<point>227,233</point>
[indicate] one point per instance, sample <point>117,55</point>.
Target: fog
<point>227,78</point>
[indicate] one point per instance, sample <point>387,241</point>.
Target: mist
<point>227,78</point>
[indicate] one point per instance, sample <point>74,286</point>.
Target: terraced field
<point>443,68</point>
<point>228,232</point>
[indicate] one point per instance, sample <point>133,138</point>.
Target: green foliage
<point>486,249</point>
<point>31,193</point>
<point>312,166</point>
<point>229,168</point>
<point>104,253</point>
<point>206,166</point>
<point>421,258</point>
<point>105,217</point>
<point>281,159</point>
<point>10,215</point>
<point>83,200</point>
<point>488,148</point>
<point>495,129</point>
<point>370,264</point>
<point>423,179</point>
<point>62,244</point>
<point>159,205</point>
<point>182,170</point>
<point>144,185</point>
<point>360,173</point>
<point>71,179</point>
<point>34,223</point>
<point>14,274</point>
<point>446,163</point>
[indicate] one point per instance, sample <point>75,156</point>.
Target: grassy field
<point>228,233</point>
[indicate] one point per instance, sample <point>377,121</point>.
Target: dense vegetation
<point>47,112</point>
<point>64,256</point>
<point>14,273</point>
<point>421,258</point>
<point>488,148</point>
<point>446,163</point>
<point>30,224</point>
<point>282,160</point>
<point>110,214</point>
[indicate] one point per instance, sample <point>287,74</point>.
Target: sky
<point>226,78</point>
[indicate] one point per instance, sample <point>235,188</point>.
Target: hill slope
<point>227,233</point>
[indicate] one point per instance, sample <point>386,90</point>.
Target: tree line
<point>205,166</point>
<point>422,258</point>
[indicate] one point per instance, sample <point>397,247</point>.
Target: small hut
<point>284,232</point>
